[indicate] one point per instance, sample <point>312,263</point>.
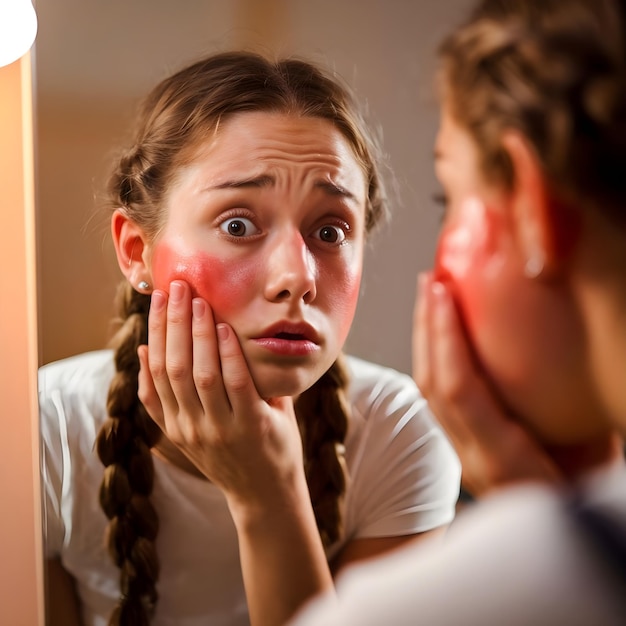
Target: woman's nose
<point>291,272</point>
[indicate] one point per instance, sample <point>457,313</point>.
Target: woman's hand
<point>493,448</point>
<point>196,385</point>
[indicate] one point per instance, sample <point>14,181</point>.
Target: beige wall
<point>20,535</point>
<point>94,59</point>
<point>76,267</point>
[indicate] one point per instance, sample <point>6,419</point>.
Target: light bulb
<point>18,27</point>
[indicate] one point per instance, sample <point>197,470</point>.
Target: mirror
<point>95,59</point>
<point>21,587</point>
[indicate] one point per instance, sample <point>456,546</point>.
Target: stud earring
<point>534,266</point>
<point>143,285</point>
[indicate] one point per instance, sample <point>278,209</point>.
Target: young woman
<point>520,333</point>
<point>239,219</point>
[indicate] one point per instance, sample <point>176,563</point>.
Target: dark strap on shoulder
<point>605,531</point>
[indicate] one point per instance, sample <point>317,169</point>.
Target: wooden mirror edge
<point>21,542</point>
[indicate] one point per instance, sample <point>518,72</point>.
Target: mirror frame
<point>21,573</point>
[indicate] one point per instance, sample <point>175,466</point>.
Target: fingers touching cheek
<point>206,370</point>
<point>147,392</point>
<point>448,356</point>
<point>178,343</point>
<point>421,355</point>
<point>157,321</point>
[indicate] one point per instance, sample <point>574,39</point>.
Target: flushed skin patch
<point>223,284</point>
<point>471,250</point>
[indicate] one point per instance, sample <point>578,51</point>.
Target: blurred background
<point>94,59</point>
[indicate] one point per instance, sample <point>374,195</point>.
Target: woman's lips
<point>287,346</point>
<point>289,339</point>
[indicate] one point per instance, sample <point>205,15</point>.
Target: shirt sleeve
<point>406,476</point>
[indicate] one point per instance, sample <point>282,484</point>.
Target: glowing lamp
<point>18,27</point>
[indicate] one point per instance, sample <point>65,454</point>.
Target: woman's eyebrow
<point>255,181</point>
<point>334,189</point>
<point>266,180</point>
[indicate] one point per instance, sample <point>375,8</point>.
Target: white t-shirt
<point>517,558</point>
<point>404,479</point>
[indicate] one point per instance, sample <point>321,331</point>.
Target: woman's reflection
<point>239,218</point>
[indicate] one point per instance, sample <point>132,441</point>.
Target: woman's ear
<point>535,220</point>
<point>131,244</point>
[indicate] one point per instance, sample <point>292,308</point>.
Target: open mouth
<point>290,339</point>
<point>287,337</point>
<point>290,336</point>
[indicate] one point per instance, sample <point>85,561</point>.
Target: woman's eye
<point>331,234</point>
<point>238,227</point>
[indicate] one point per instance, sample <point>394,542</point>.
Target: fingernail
<point>222,332</point>
<point>439,290</point>
<point>176,291</point>
<point>198,308</point>
<point>157,302</point>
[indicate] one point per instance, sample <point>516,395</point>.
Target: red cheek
<point>223,284</point>
<point>351,295</point>
<point>341,289</point>
<point>468,257</point>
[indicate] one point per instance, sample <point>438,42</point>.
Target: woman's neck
<point>601,287</point>
<point>609,362</point>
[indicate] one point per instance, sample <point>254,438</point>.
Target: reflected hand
<point>196,385</point>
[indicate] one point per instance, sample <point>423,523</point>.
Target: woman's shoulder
<point>386,406</point>
<point>518,553</point>
<point>401,463</point>
<point>364,369</point>
<point>382,395</point>
<point>76,371</point>
<point>369,379</point>
<point>74,389</point>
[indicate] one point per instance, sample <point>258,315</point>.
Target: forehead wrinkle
<point>313,158</point>
<point>325,174</point>
<point>264,180</point>
<point>327,185</point>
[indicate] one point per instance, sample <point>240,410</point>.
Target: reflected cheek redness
<point>469,253</point>
<point>225,285</point>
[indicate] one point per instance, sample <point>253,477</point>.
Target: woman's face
<point>524,332</point>
<point>267,225</point>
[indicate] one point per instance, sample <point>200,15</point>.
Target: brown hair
<point>554,71</point>
<point>173,121</point>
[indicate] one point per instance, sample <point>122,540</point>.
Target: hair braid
<point>123,445</point>
<point>322,412</point>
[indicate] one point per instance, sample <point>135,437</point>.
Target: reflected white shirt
<point>404,479</point>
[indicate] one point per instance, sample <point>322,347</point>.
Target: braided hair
<point>175,117</point>
<point>123,445</point>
